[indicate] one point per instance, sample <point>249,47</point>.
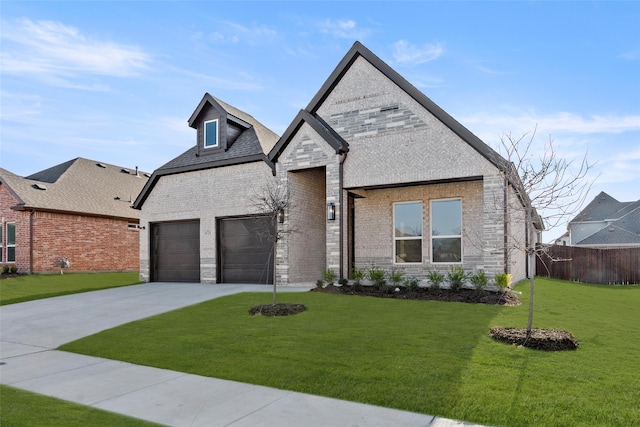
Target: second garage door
<point>246,249</point>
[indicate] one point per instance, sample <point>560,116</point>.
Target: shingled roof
<point>79,186</point>
<point>252,145</point>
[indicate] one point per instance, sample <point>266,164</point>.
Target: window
<point>1,243</point>
<point>11,242</point>
<point>446,231</point>
<point>211,134</point>
<point>407,219</point>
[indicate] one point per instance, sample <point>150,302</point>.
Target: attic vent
<point>612,229</point>
<point>123,170</point>
<point>116,198</point>
<point>39,187</point>
<point>100,165</point>
<point>389,108</point>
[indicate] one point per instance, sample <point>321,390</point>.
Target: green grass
<point>424,356</point>
<point>37,286</point>
<point>21,408</point>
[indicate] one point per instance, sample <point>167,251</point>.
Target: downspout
<point>505,224</point>
<point>343,157</point>
<point>33,211</point>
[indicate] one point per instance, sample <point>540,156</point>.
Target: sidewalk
<point>29,333</point>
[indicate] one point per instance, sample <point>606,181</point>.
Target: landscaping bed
<point>400,292</point>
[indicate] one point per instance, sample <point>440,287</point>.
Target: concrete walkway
<point>29,333</point>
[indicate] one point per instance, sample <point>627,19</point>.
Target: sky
<point>116,81</point>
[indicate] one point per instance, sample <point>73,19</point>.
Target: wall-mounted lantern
<point>280,216</point>
<point>331,212</point>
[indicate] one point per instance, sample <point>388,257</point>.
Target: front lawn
<point>423,356</point>
<point>21,408</point>
<point>37,286</point>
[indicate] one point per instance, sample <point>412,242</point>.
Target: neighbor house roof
<point>252,145</point>
<point>620,221</point>
<point>79,186</point>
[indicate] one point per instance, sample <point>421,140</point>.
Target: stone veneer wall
<point>308,150</point>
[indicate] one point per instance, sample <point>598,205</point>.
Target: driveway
<point>30,332</point>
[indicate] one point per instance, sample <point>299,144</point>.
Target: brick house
<point>377,174</point>
<point>79,210</point>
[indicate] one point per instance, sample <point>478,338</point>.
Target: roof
<point>79,186</point>
<point>620,221</point>
<point>252,145</point>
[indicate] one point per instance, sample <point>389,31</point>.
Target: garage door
<point>175,251</point>
<point>246,250</point>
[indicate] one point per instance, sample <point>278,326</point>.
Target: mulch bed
<point>277,309</point>
<point>540,339</point>
<point>463,295</point>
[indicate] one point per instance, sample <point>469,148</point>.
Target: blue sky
<point>117,81</point>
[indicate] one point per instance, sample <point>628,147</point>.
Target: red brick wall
<point>90,243</point>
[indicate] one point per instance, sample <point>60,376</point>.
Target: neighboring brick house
<point>79,210</point>
<point>377,174</point>
<point>605,223</point>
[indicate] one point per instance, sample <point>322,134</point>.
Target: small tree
<point>549,189</point>
<point>274,200</point>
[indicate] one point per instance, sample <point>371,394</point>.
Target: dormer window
<point>211,133</point>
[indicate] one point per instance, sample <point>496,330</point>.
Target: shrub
<point>435,278</point>
<point>377,276</point>
<point>457,278</point>
<point>320,284</point>
<point>343,281</point>
<point>5,269</point>
<point>396,276</point>
<point>357,275</point>
<point>479,280</point>
<point>502,281</point>
<point>412,284</point>
<point>13,269</point>
<point>329,276</point>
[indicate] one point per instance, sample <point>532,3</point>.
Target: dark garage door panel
<point>176,251</point>
<point>246,250</point>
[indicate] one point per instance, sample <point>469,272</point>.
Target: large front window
<point>211,134</point>
<point>446,231</point>
<point>407,219</point>
<point>11,242</point>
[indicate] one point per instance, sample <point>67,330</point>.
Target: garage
<point>175,251</point>
<point>245,250</point>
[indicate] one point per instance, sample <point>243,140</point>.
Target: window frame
<point>1,242</point>
<point>13,245</point>
<point>446,236</point>
<point>420,238</point>
<point>204,130</point>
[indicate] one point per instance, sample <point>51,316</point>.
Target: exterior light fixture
<point>331,212</point>
<point>280,216</point>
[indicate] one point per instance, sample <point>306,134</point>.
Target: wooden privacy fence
<point>589,265</point>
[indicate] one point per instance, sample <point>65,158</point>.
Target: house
<point>605,223</point>
<point>78,211</point>
<point>376,172</point>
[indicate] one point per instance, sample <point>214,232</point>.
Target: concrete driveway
<point>30,332</point>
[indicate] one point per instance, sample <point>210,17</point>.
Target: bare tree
<point>549,189</point>
<point>273,199</point>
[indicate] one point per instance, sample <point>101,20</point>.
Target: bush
<point>435,278</point>
<point>320,284</point>
<point>343,281</point>
<point>357,275</point>
<point>479,280</point>
<point>329,276</point>
<point>5,269</point>
<point>412,284</point>
<point>457,278</point>
<point>13,269</point>
<point>396,276</point>
<point>377,276</point>
<point>502,281</point>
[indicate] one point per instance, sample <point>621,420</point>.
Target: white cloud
<point>57,52</point>
<point>406,53</point>
<point>346,29</point>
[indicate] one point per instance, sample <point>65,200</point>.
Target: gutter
<point>31,214</point>
<point>343,157</point>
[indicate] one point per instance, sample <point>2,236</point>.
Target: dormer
<point>216,128</point>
